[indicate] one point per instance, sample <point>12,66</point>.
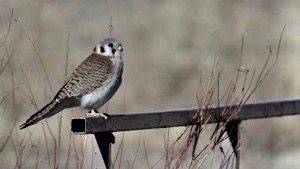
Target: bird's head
<point>109,47</point>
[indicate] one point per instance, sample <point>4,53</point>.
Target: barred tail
<point>49,110</point>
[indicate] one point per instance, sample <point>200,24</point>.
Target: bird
<point>91,85</point>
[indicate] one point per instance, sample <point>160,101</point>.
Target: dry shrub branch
<point>240,89</point>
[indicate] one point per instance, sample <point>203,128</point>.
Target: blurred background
<point>168,47</point>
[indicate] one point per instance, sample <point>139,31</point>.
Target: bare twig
<point>232,96</point>
<point>110,26</point>
<point>119,152</point>
<point>8,29</point>
<point>32,42</point>
<point>136,152</point>
<point>146,154</point>
<point>70,145</point>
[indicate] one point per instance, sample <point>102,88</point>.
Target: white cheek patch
<point>107,51</point>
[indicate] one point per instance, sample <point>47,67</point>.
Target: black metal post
<point>104,140</point>
<point>233,131</point>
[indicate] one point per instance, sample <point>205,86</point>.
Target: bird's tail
<point>49,110</point>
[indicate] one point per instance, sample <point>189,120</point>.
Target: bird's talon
<point>96,113</point>
<point>105,116</point>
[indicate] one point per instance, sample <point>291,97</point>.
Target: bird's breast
<point>107,89</point>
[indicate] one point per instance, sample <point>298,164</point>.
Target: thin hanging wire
<point>110,26</point>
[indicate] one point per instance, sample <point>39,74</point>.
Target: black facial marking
<point>113,51</point>
<point>94,49</point>
<point>110,45</point>
<point>102,49</point>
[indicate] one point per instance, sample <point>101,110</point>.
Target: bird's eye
<point>102,49</point>
<point>110,45</point>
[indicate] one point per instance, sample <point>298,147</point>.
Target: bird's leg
<point>94,112</point>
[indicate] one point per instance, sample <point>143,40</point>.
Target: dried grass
<point>190,154</point>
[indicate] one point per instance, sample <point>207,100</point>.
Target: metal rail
<point>181,117</point>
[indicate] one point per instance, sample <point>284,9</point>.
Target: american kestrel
<point>91,85</point>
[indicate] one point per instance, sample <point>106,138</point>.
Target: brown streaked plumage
<point>91,85</point>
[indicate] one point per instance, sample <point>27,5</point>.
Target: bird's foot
<point>96,113</point>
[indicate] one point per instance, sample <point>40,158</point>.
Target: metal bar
<point>104,141</point>
<point>97,158</point>
<point>238,147</point>
<point>233,131</point>
<point>180,117</point>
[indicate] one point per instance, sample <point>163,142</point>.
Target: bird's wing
<point>88,76</point>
